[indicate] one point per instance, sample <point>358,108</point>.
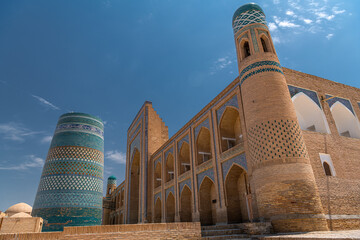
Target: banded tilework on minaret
<point>279,166</point>
<point>71,184</point>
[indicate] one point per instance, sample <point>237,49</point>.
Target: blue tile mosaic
<point>183,183</point>
<point>71,185</point>
<point>232,102</point>
<point>208,173</point>
<point>169,190</point>
<point>246,18</point>
<point>240,160</point>
<point>255,65</point>
<point>157,161</point>
<point>184,139</point>
<point>345,102</point>
<point>158,195</point>
<point>205,123</point>
<point>254,41</point>
<point>311,94</point>
<point>260,71</point>
<point>135,144</point>
<point>169,151</point>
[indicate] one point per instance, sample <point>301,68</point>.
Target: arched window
<point>245,49</point>
<point>327,164</point>
<point>184,158</point>
<point>309,114</point>
<point>265,43</point>
<point>230,129</point>
<point>203,146</point>
<point>327,169</point>
<point>157,175</point>
<point>169,168</point>
<point>345,121</point>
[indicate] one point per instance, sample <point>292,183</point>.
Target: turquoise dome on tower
<point>247,14</point>
<point>247,7</point>
<point>111,180</point>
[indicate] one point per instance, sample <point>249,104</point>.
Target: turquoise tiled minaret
<point>71,184</point>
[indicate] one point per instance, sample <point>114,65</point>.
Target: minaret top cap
<point>247,14</point>
<point>112,177</point>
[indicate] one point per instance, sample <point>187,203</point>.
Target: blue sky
<point>107,57</point>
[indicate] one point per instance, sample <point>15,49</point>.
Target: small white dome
<point>19,208</point>
<point>21,215</point>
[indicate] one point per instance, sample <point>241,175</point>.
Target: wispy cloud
<point>15,132</point>
<point>46,103</point>
<point>220,64</point>
<point>31,162</point>
<point>329,36</point>
<point>46,139</point>
<point>116,156</point>
<point>285,23</point>
<point>272,26</point>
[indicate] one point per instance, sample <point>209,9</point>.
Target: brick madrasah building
<point>275,145</point>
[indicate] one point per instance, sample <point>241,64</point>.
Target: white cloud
<point>32,162</point>
<point>46,139</point>
<point>276,39</point>
<point>220,64</point>
<point>46,103</point>
<point>287,24</point>
<point>307,21</point>
<point>15,132</point>
<point>329,36</point>
<point>272,26</point>
<point>323,15</point>
<point>276,1</point>
<point>116,156</point>
<point>336,10</point>
<point>290,13</point>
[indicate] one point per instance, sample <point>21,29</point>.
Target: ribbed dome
<point>247,7</point>
<point>19,208</point>
<point>112,177</point>
<point>21,215</point>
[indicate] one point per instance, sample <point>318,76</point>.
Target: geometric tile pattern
<point>208,173</point>
<point>311,94</point>
<point>167,153</point>
<point>71,185</point>
<point>239,159</point>
<point>345,102</point>
<point>232,102</point>
<point>75,153</point>
<point>275,139</point>
<point>158,195</point>
<point>248,17</point>
<point>182,184</point>
<point>70,182</point>
<point>168,191</point>
<point>180,142</point>
<point>81,128</point>
<point>275,66</point>
<point>73,167</point>
<point>205,124</point>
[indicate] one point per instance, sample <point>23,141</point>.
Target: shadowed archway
<point>185,205</point>
<point>207,196</point>
<point>134,187</point>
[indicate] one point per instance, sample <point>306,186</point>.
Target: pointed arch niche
<point>157,214</point>
<point>184,158</point>
<point>309,114</point>
<point>185,205</point>
<point>203,146</point>
<point>346,122</point>
<point>169,170</point>
<point>157,175</point>
<point>207,198</point>
<point>134,187</point>
<point>230,129</point>
<point>170,208</point>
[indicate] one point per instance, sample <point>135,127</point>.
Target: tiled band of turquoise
<point>70,188</point>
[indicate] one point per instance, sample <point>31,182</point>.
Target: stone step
<point>222,226</point>
<point>219,232</point>
<point>223,237</point>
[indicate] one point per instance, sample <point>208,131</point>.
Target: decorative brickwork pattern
<point>311,94</point>
<point>183,183</point>
<point>239,159</point>
<point>232,102</point>
<point>276,139</point>
<point>208,173</point>
<point>248,17</point>
<point>205,123</point>
<point>71,185</point>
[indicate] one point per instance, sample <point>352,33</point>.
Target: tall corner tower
<point>71,184</point>
<point>281,173</point>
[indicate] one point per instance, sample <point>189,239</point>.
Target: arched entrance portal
<point>157,216</point>
<point>207,202</point>
<point>185,205</point>
<point>170,208</point>
<point>134,187</point>
<point>235,187</point>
